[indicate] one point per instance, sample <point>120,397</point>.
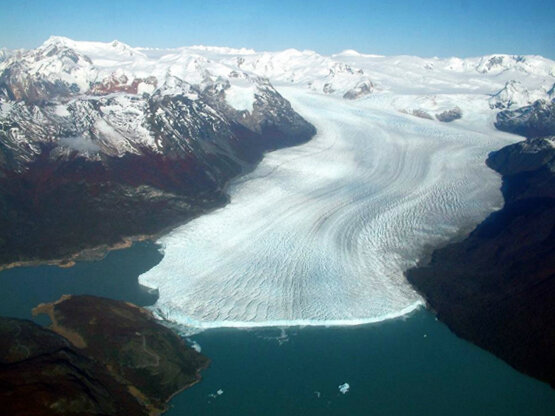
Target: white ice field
<point>320,234</point>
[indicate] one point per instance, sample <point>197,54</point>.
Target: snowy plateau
<point>321,233</point>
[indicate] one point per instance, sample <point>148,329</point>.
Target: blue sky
<point>426,28</point>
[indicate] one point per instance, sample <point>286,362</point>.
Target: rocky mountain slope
<point>34,357</point>
<point>102,357</point>
<point>87,159</point>
<point>535,120</point>
<point>496,287</point>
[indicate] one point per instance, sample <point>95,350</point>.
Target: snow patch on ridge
<point>241,95</point>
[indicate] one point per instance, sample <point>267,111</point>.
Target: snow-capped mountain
<point>101,91</point>
<point>532,121</point>
<point>5,54</point>
<point>104,125</point>
<point>514,94</point>
<point>92,131</point>
<point>66,67</point>
<point>118,101</point>
<point>89,64</point>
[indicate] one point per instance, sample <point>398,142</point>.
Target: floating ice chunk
<point>218,393</point>
<point>281,339</point>
<point>344,388</point>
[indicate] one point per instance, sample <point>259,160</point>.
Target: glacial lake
<point>406,366</point>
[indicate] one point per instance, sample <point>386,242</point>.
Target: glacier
<point>320,234</point>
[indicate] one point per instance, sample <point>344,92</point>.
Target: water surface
<point>115,276</point>
<point>405,366</point>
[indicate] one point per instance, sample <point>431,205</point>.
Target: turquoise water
<point>114,277</point>
<point>408,366</point>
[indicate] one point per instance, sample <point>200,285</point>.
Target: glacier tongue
<point>320,234</point>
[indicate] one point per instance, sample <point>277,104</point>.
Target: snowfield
<point>320,234</point>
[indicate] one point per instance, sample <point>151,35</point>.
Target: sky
<point>426,28</point>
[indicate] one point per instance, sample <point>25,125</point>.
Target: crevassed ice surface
<point>321,233</point>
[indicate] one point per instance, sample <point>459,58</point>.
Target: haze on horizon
<point>425,28</point>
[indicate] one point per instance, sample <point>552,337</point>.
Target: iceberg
<point>344,388</point>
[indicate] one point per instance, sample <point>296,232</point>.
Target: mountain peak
<point>88,47</point>
<point>119,45</point>
<point>349,52</point>
<point>222,50</point>
<point>57,40</point>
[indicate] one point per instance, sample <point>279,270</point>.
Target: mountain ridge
<point>82,155</point>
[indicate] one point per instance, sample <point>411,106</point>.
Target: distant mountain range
<point>104,98</point>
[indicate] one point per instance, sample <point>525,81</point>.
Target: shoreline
<point>88,254</point>
<point>99,252</point>
<point>503,310</point>
<point>168,404</point>
<point>82,320</point>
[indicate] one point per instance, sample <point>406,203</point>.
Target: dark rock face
<point>116,360</point>
<point>496,288</point>
<point>18,82</point>
<point>493,62</point>
<point>136,349</point>
<point>79,169</point>
<point>422,114</point>
<point>58,207</point>
<point>450,115</point>
<point>536,120</point>
<point>524,157</point>
<point>361,89</point>
<point>42,374</point>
